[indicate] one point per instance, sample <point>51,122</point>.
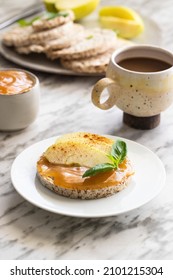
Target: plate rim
<point>80,215</point>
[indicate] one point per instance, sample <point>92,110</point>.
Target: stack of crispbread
<point>78,49</point>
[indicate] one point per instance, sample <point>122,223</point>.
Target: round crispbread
<point>18,36</point>
<point>76,33</point>
<point>57,32</point>
<point>59,19</point>
<point>95,42</point>
<point>94,64</point>
<point>60,43</point>
<point>30,49</point>
<point>82,194</point>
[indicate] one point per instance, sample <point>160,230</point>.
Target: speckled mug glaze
<point>17,111</point>
<point>141,94</point>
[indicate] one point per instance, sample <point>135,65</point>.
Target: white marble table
<point>27,232</point>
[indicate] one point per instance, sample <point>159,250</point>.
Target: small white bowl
<point>17,111</point>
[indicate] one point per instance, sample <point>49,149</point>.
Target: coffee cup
<point>139,80</point>
<point>19,99</point>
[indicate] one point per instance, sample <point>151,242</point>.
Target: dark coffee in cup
<point>144,64</point>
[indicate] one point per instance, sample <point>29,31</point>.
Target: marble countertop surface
<point>28,232</point>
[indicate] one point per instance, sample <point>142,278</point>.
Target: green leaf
<point>34,19</point>
<point>119,152</point>
<point>47,15</point>
<point>97,169</point>
<point>89,37</point>
<point>23,22</point>
<point>111,158</point>
<point>54,15</point>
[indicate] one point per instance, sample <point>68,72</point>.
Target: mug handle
<point>97,92</point>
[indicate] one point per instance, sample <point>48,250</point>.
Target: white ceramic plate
<point>151,35</point>
<point>147,182</point>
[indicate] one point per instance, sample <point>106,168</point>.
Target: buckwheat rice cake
<point>46,23</point>
<point>18,36</point>
<point>62,165</point>
<point>30,49</point>
<point>76,34</point>
<point>54,33</point>
<point>94,64</point>
<point>96,41</point>
<point>62,42</point>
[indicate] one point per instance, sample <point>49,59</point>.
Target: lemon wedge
<point>125,21</point>
<point>81,8</point>
<point>50,5</point>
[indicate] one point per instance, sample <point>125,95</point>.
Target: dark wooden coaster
<point>141,122</point>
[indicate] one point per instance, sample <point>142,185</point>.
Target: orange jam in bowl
<point>19,99</point>
<point>15,82</point>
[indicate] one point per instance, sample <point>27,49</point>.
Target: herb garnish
<point>54,15</point>
<point>24,22</point>
<point>89,37</point>
<point>47,16</point>
<point>117,155</point>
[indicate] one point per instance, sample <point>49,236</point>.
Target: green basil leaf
<point>47,16</point>
<point>97,169</point>
<point>111,158</point>
<point>89,37</point>
<point>35,18</point>
<point>54,15</point>
<point>119,151</point>
<point>118,154</point>
<point>23,22</point>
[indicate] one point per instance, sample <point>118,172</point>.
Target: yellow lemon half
<point>81,8</point>
<point>125,21</point>
<point>50,5</point>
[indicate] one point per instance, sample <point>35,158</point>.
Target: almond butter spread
<point>70,177</point>
<point>15,82</point>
